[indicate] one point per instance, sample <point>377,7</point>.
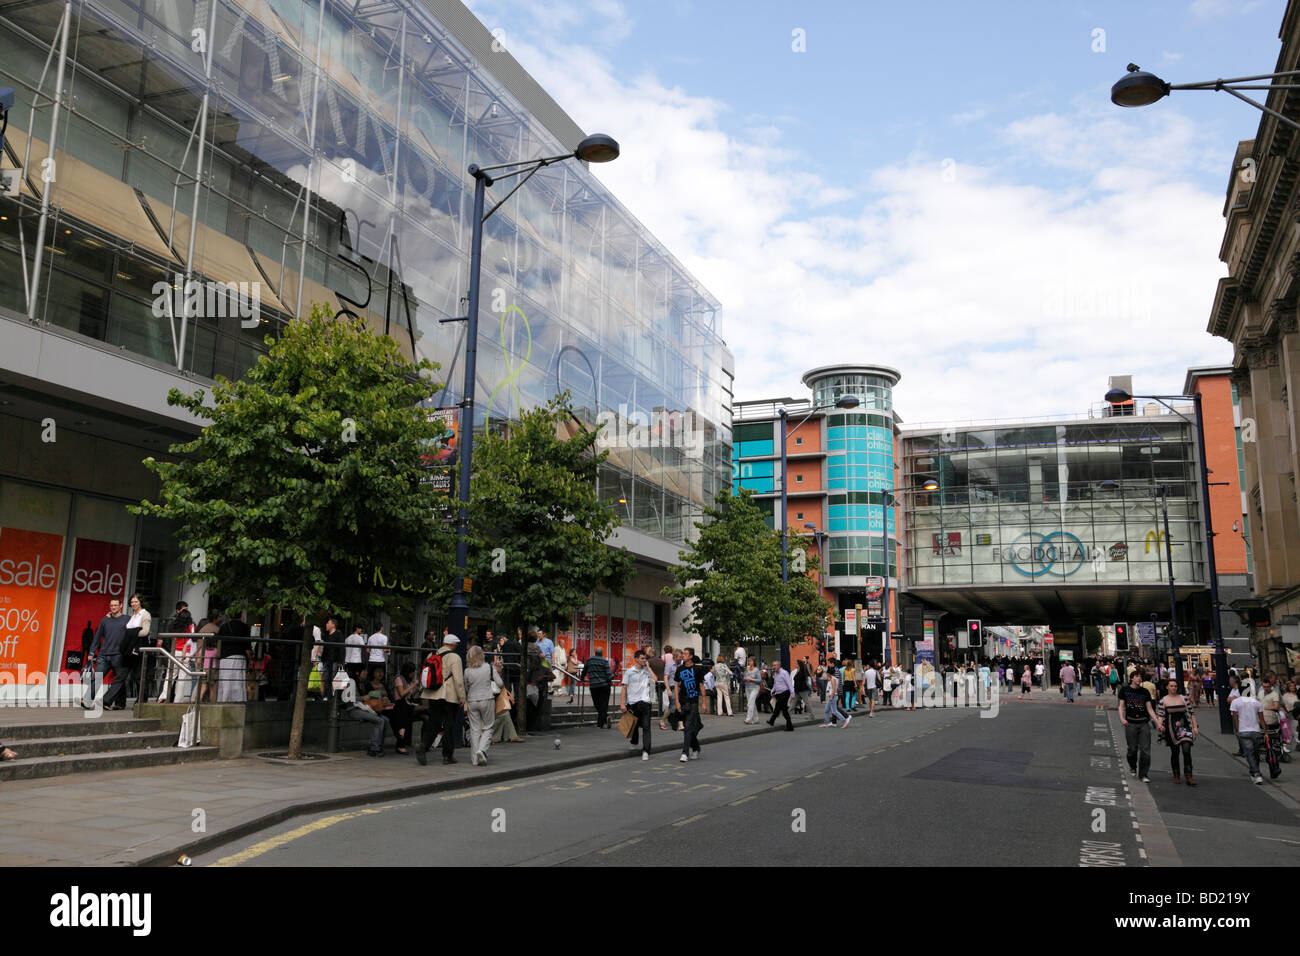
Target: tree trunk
<point>300,694</point>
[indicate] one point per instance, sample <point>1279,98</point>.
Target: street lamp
<point>1117,395</point>
<point>596,148</point>
<point>1141,88</point>
<point>1161,492</point>
<point>844,401</point>
<point>886,495</point>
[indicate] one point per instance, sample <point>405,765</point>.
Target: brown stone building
<point>1255,308</point>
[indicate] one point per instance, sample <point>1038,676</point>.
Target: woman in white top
<point>481,692</point>
<point>138,629</point>
<point>832,697</point>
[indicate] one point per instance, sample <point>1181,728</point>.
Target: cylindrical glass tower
<point>859,470</point>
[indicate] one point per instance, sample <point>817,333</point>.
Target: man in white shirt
<point>638,692</point>
<point>1248,721</point>
<point>870,679</point>
<point>378,644</point>
<point>354,661</point>
<point>740,656</point>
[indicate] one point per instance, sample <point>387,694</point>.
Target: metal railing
<point>176,666</point>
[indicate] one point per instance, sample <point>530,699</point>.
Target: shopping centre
<point>1067,521</point>
<point>287,153</point>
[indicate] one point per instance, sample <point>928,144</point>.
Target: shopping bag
<point>627,724</point>
<point>341,680</point>
<point>189,729</point>
<point>503,701</point>
<point>1274,759</point>
<point>313,681</point>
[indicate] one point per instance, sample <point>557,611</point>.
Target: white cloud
<point>969,116</point>
<point>994,296</point>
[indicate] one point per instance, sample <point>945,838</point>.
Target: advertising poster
<point>925,646</point>
<point>29,579</point>
<point>446,445</point>
<point>99,573</point>
<point>600,638</point>
<point>582,630</point>
<point>616,645</point>
<point>647,635</point>
<point>850,620</point>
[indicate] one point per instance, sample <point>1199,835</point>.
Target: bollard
<point>332,733</point>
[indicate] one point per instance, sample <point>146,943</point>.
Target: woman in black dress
<point>1177,724</point>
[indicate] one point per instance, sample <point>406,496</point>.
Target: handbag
<point>503,701</point>
<point>626,724</point>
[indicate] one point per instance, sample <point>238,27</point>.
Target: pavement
<point>153,816</point>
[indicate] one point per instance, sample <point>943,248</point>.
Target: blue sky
<point>942,187</point>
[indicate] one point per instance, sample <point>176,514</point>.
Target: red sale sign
<point>99,574</point>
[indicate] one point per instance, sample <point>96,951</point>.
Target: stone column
<point>1272,450</point>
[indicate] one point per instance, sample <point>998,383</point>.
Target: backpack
<point>431,674</point>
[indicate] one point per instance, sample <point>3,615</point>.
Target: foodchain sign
<point>1034,555</point>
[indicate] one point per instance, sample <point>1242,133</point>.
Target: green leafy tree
<point>1092,638</point>
<point>538,527</point>
<point>803,612</point>
<point>307,489</point>
<point>731,575</point>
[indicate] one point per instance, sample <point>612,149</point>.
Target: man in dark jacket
<point>512,663</point>
<point>596,673</point>
<point>107,650</point>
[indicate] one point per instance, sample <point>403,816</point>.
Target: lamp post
<point>844,401</point>
<point>1141,88</point>
<point>597,148</point>
<point>887,495</point>
<point>1162,492</point>
<point>1116,395</point>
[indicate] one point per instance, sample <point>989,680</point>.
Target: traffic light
<point>974,633</point>
<point>1121,638</point>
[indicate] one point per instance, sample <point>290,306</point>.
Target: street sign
<point>850,620</point>
<point>1146,631</point>
<point>1048,639</point>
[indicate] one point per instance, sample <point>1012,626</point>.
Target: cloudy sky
<point>944,187</point>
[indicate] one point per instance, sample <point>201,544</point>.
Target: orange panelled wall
<point>1221,457</point>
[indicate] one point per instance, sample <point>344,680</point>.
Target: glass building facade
<point>859,471</point>
<point>1049,503</point>
<point>315,151</point>
<point>291,153</point>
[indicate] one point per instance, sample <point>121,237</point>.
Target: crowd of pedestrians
<point>465,696</point>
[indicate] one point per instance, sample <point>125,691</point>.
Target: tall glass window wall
<point>1025,505</point>
<point>860,465</point>
<point>334,162</point>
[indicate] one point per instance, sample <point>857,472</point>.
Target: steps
<point>80,746</point>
